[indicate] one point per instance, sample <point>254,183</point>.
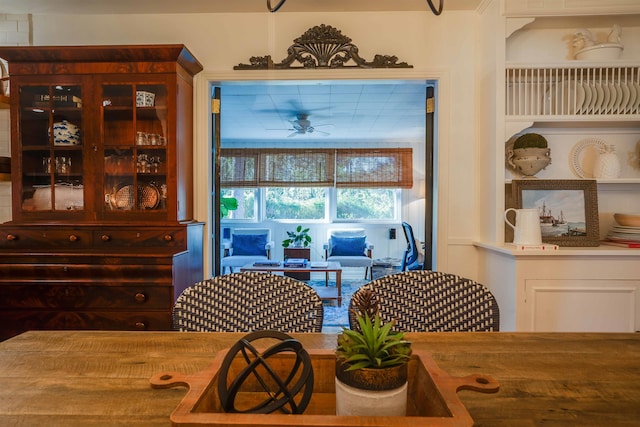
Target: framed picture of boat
<point>568,209</point>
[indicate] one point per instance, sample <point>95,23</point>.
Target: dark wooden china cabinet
<point>102,234</point>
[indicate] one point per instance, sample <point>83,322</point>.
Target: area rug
<point>335,316</point>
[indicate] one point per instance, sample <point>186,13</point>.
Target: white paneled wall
<point>15,30</point>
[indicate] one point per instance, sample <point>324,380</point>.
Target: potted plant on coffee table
<point>298,238</point>
<point>371,364</point>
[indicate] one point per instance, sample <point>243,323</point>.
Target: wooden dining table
<point>102,378</point>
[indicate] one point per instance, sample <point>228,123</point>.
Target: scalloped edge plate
<point>583,155</point>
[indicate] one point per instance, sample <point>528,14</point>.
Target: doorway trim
<point>202,172</point>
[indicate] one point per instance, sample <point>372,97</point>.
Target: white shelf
<point>571,92</point>
<point>599,181</point>
<point>572,64</point>
<point>595,251</point>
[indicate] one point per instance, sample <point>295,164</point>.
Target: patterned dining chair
<point>247,302</point>
<point>431,301</point>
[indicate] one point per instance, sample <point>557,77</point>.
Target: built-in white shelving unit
<point>541,88</point>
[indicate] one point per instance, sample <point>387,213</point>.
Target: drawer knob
<point>12,237</point>
<point>105,237</point>
<point>140,297</point>
<point>168,237</point>
<point>73,238</point>
<point>140,326</point>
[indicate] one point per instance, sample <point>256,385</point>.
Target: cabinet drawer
<point>67,296</point>
<point>59,271</point>
<point>140,238</point>
<point>15,322</point>
<point>45,238</point>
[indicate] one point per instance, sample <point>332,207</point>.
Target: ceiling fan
<point>302,125</point>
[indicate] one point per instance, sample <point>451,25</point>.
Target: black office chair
<point>411,258</point>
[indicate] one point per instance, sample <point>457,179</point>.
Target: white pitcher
<point>527,227</point>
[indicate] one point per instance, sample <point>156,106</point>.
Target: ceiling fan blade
<point>292,134</point>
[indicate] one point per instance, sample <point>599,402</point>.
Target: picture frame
<point>568,209</point>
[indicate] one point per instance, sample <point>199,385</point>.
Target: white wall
<point>14,31</point>
<point>439,48</point>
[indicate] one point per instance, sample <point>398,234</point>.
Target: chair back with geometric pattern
<point>431,301</point>
<point>247,302</point>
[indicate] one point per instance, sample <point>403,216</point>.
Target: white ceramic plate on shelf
<point>633,94</point>
<point>597,106</point>
<point>590,96</point>
<point>635,109</point>
<point>610,96</point>
<point>580,97</point>
<point>583,156</point>
<point>625,229</point>
<point>626,96</point>
<point>617,105</point>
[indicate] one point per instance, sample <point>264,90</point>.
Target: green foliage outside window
<point>365,203</point>
<point>295,203</point>
<point>245,203</point>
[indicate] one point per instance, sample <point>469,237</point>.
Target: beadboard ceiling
<point>372,111</point>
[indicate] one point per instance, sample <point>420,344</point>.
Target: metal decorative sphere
<point>286,384</point>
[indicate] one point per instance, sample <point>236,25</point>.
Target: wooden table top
<point>101,378</point>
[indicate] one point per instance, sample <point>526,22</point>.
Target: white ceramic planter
<point>355,401</point>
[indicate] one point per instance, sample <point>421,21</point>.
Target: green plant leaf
<point>227,204</point>
<point>374,345</point>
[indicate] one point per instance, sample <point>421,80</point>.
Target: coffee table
<point>332,267</point>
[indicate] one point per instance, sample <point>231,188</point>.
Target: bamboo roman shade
<point>362,168</point>
<point>305,168</point>
<point>238,168</point>
<point>380,168</point>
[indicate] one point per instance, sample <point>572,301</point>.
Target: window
<point>316,184</point>
<point>366,203</point>
<point>300,203</point>
<point>247,203</point>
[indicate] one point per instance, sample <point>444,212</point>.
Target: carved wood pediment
<point>322,46</point>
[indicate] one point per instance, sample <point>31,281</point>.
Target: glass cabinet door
<point>51,140</point>
<point>134,129</point>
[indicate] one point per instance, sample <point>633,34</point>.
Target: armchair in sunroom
<point>350,248</point>
<point>246,246</point>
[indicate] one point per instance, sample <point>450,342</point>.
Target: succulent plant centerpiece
<point>371,364</point>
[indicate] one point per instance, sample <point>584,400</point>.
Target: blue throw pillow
<point>249,244</point>
<point>347,246</point>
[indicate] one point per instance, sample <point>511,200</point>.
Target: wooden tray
<point>432,397</point>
